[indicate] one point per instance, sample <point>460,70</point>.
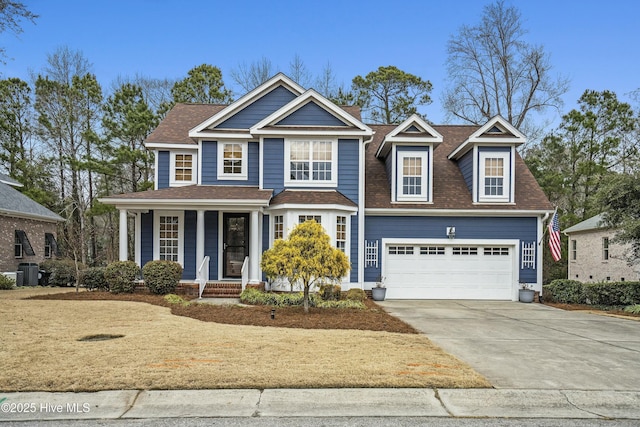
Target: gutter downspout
<point>361,208</point>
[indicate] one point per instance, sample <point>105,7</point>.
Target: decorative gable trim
<point>351,126</point>
<point>277,80</point>
<point>496,132</point>
<point>414,130</point>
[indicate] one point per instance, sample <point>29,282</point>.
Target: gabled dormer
<point>487,161</point>
<point>408,155</point>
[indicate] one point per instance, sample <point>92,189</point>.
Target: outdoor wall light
<point>273,313</point>
<point>451,232</point>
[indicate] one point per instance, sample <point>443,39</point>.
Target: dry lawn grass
<point>41,351</point>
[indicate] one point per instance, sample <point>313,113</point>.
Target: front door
<point>235,243</point>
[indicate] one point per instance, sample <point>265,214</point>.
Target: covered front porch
<point>214,239</point>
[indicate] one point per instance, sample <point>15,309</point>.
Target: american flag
<point>554,237</point>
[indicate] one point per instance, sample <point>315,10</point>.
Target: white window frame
<point>507,174</point>
<point>328,220</point>
<point>425,192</point>
<point>156,233</point>
<point>333,182</point>
<point>243,175</point>
<point>172,168</point>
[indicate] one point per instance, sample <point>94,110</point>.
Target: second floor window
<point>310,162</point>
<point>605,248</point>
<point>574,250</point>
<point>232,160</point>
<point>183,168</point>
<point>495,172</point>
<point>413,176</point>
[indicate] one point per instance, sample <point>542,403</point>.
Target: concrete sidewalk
<point>131,404</point>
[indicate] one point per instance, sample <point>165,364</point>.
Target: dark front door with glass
<point>235,243</point>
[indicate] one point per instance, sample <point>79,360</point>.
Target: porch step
<point>222,290</point>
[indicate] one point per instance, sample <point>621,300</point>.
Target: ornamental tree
<point>305,256</point>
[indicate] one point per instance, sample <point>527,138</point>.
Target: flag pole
<point>546,228</point>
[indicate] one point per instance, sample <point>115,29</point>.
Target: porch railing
<point>245,272</point>
<point>202,275</point>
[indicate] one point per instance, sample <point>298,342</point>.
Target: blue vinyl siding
<point>209,162</point>
<point>210,165</point>
<point>311,115</point>
<point>265,232</point>
<point>146,237</point>
<point>163,169</point>
<point>348,169</point>
<point>482,228</point>
<point>273,158</point>
<point>466,168</point>
<point>189,270</point>
<point>211,242</point>
<point>259,109</point>
<point>388,167</point>
<point>353,257</point>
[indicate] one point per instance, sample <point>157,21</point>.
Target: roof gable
<point>414,130</point>
<point>14,203</point>
<point>278,85</point>
<point>497,131</point>
<point>327,117</point>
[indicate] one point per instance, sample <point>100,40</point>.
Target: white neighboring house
<point>593,257</point>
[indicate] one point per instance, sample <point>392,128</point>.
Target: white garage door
<point>427,271</point>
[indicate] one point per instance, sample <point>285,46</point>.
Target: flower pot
<point>378,294</point>
<point>526,295</point>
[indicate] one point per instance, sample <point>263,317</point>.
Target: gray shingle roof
<point>14,203</point>
<point>593,223</point>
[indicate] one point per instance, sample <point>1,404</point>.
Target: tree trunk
<point>306,298</point>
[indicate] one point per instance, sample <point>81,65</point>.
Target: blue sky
<point>594,43</point>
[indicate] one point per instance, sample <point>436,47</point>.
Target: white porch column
<point>137,232</point>
<point>254,249</point>
<point>123,235</point>
<point>199,239</point>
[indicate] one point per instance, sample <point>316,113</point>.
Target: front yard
<point>42,349</point>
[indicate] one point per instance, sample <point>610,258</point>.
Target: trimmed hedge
<point>356,294</point>
<point>62,271</point>
<point>602,293</point>
<point>255,297</point>
<point>161,276</point>
<point>121,276</point>
<point>93,278</point>
<point>329,292</point>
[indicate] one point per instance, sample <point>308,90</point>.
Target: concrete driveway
<point>531,346</point>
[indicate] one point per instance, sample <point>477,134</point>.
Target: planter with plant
<point>525,293</point>
<point>379,291</point>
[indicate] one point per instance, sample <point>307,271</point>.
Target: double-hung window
<point>495,176</point>
<point>183,168</point>
<point>22,246</point>
<point>413,177</point>
<point>232,160</point>
<point>311,162</point>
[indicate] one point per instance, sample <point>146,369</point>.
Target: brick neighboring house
<point>27,229</point>
<point>592,255</point>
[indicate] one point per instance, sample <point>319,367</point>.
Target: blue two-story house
<point>437,211</point>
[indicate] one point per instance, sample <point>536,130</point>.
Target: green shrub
<point>612,293</point>
<point>564,291</point>
<point>93,278</point>
<point>633,309</point>
<point>342,304</point>
<point>176,299</point>
<point>356,294</point>
<point>121,275</point>
<point>162,277</point>
<point>329,292</point>
<point>62,272</point>
<point>256,297</point>
<point>6,283</point>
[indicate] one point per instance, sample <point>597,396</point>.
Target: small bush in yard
<point>176,299</point>
<point>161,277</point>
<point>93,278</point>
<point>62,271</point>
<point>255,297</point>
<point>121,275</point>
<point>564,291</point>
<point>6,283</point>
<point>329,292</point>
<point>356,294</point>
<point>633,309</point>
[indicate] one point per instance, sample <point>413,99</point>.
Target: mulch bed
<point>373,318</point>
<point>586,307</point>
